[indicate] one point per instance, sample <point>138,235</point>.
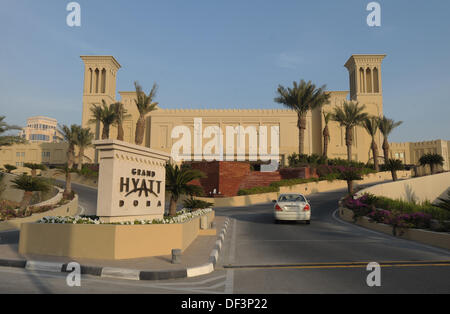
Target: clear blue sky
<point>226,54</point>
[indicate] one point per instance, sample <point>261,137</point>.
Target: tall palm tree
<point>177,183</point>
<point>145,105</point>
<point>386,128</point>
<point>349,116</point>
<point>302,97</point>
<point>371,125</point>
<point>104,114</point>
<point>326,133</point>
<point>66,171</point>
<point>29,185</point>
<point>84,140</point>
<point>121,115</point>
<point>70,135</point>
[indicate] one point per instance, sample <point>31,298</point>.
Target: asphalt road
<point>262,257</point>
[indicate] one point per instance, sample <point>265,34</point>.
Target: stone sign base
<point>109,242</point>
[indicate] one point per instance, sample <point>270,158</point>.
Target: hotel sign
<point>131,182</point>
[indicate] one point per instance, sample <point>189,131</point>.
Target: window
<point>19,164</point>
<point>45,154</point>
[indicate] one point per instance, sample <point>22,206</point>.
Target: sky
<point>226,54</point>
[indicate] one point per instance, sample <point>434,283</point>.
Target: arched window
<point>103,81</point>
<point>97,77</point>
<point>376,82</point>
<point>362,84</point>
<point>369,80</point>
<point>90,80</point>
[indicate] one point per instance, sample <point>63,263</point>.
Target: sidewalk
<point>201,253</point>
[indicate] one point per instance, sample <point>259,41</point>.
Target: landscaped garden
<point>400,214</point>
<point>325,170</point>
<point>32,187</point>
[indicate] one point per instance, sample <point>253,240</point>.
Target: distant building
<point>38,153</point>
<point>41,130</point>
<point>411,152</point>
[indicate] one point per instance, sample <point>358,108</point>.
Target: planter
<point>438,239</point>
<point>109,242</point>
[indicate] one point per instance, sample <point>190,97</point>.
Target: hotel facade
<point>365,86</point>
<point>365,82</point>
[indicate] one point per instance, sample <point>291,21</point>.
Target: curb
<point>128,274</point>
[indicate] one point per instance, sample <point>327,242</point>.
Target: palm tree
<point>66,171</point>
<point>121,115</point>
<point>350,175</point>
<point>326,133</point>
<point>84,140</point>
<point>349,116</point>
<point>7,140</point>
<point>302,97</point>
<point>29,185</point>
<point>70,135</point>
<point>104,114</point>
<point>34,167</point>
<point>9,168</point>
<point>371,125</point>
<point>393,166</point>
<point>432,160</point>
<point>145,105</point>
<point>386,127</point>
<point>177,183</point>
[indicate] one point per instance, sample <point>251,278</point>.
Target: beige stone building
<point>411,152</point>
<point>41,130</point>
<point>365,86</point>
<point>39,153</point>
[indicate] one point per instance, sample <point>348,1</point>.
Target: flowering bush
<point>392,215</point>
<point>181,217</point>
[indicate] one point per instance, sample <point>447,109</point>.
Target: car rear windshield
<point>291,198</point>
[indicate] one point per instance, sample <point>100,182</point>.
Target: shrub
<point>291,182</point>
<point>259,190</point>
<point>191,203</point>
<point>9,168</point>
<point>89,171</point>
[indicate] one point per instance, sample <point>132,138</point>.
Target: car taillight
<point>278,208</point>
<point>306,208</point>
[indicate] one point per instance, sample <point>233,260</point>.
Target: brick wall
<point>256,178</point>
<point>224,176</point>
<point>295,173</point>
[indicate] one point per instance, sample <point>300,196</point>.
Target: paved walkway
<point>196,254</point>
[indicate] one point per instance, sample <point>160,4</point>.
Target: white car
<point>293,207</point>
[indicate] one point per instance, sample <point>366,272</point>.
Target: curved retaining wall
<point>306,189</point>
<point>16,195</point>
<point>69,209</point>
<point>414,190</point>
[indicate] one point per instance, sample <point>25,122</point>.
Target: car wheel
<point>308,222</point>
<point>276,221</point>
